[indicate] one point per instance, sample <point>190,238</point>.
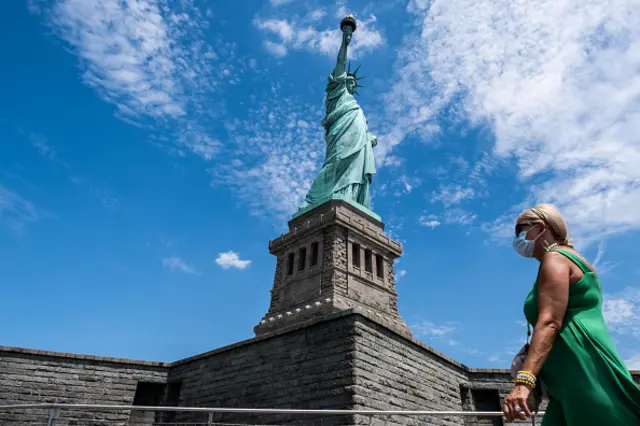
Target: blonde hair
<point>551,217</point>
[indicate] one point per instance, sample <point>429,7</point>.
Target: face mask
<point>523,246</point>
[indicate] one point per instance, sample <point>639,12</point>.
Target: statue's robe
<point>349,162</point>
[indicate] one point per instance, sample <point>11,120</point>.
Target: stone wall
<point>32,377</point>
<point>485,391</point>
<point>396,373</point>
<point>348,360</point>
<point>309,367</point>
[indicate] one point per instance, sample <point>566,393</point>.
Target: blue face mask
<point>523,246</point>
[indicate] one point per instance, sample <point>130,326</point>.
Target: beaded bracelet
<point>526,378</point>
<point>527,375</point>
<point>527,383</point>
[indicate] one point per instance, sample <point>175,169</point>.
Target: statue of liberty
<point>349,162</point>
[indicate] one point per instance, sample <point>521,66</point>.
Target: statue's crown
<point>354,74</point>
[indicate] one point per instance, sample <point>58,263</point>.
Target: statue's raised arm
<point>349,163</point>
<point>348,26</point>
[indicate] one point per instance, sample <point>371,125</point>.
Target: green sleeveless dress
<point>587,382</point>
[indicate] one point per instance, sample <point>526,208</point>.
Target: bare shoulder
<point>555,259</point>
<point>554,263</point>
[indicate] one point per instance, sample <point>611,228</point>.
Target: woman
<point>571,352</point>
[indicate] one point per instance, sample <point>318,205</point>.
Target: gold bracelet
<point>527,383</point>
<point>527,374</point>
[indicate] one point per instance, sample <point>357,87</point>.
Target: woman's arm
<point>553,299</point>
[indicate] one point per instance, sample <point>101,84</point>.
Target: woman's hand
<point>515,405</point>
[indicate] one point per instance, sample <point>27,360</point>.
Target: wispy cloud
<point>398,187</point>
<point>406,185</point>
<point>176,263</point>
<point>441,334</point>
<point>430,221</point>
<point>428,329</point>
<point>16,212</point>
<point>633,363</point>
<point>451,216</point>
<point>602,266</point>
<point>231,259</point>
<point>295,33</point>
<point>281,2</point>
<point>280,148</point>
<point>537,75</point>
<point>622,312</point>
<point>147,58</point>
<point>450,195</point>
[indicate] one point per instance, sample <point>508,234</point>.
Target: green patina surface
<point>349,162</point>
<point>339,197</point>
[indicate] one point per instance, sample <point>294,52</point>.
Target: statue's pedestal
<point>335,257</point>
<point>335,197</point>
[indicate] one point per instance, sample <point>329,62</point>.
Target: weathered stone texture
<point>35,378</point>
<point>334,267</point>
<point>393,373</point>
<point>310,368</point>
<point>348,360</point>
<point>352,267</point>
<point>485,391</point>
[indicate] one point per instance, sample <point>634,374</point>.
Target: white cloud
<point>316,14</point>
<point>231,259</point>
<point>453,194</point>
<point>494,358</point>
<point>280,2</point>
<point>293,34</point>
<point>276,49</point>
<point>600,265</point>
<point>457,216</point>
<point>400,274</point>
<point>622,312</point>
<point>559,84</point>
<point>280,149</point>
<point>430,221</point>
<point>148,58</point>
<point>406,184</point>
<point>633,363</point>
<point>177,264</point>
<point>16,212</point>
<point>430,330</point>
<point>451,216</point>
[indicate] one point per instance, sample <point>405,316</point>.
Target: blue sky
<point>149,150</point>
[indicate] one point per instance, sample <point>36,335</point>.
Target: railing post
<point>210,420</point>
<point>54,415</point>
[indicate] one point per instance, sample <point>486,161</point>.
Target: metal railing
<point>86,414</point>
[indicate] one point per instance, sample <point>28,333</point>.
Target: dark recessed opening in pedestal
<point>302,259</point>
<point>355,255</point>
<point>315,251</point>
<point>379,266</point>
<point>149,394</point>
<point>368,262</point>
<point>290,260</point>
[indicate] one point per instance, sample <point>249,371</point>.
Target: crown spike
<point>357,69</point>
<point>349,68</point>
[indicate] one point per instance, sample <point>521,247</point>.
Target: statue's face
<point>351,85</point>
